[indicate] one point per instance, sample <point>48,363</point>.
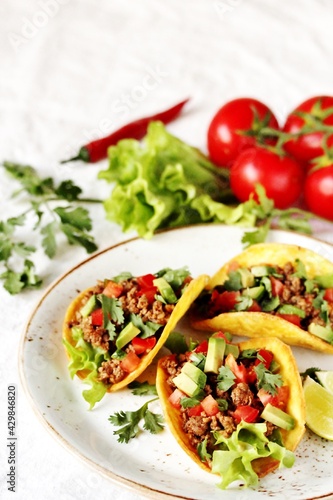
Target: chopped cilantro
<point>225,378</point>
<point>142,388</point>
<point>267,380</point>
<point>129,421</point>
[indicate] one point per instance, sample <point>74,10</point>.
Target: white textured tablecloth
<point>71,70</point>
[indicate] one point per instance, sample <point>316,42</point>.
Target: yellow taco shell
<point>255,324</point>
<point>191,292</point>
<point>295,406</point>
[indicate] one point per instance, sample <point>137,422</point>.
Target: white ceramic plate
<point>153,465</point>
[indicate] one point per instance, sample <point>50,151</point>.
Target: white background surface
<point>72,70</point>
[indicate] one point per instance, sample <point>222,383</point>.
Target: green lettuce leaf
<point>234,460</point>
<point>84,356</point>
<point>165,182</point>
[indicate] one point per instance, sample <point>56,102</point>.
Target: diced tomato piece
<point>251,376</point>
<point>175,398</point>
<point>246,413</point>
<point>130,362</point>
<point>280,399</point>
<point>267,357</point>
<point>210,405</point>
<point>146,281</point>
<point>149,293</point>
<point>221,335</point>
<point>254,307</point>
<point>277,286</point>
<point>225,301</point>
<point>233,266</point>
<point>113,289</point>
<point>328,295</point>
<point>292,318</point>
<point>187,280</point>
<point>143,345</point>
<point>147,287</point>
<point>97,317</point>
<point>202,347</point>
<point>239,370</point>
<point>195,411</point>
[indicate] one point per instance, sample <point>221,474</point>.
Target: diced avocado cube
<point>89,306</point>
<point>197,375</point>
<point>231,349</point>
<point>185,384</point>
<point>256,292</point>
<point>325,280</point>
<point>215,354</point>
<point>126,335</point>
<point>278,417</point>
<point>247,277</point>
<point>259,271</point>
<point>289,309</point>
<point>324,332</point>
<point>165,290</point>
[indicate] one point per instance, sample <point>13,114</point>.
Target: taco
<point>272,289</point>
<point>113,330</point>
<point>236,409</point>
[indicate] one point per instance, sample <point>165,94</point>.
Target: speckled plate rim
<point>130,485</point>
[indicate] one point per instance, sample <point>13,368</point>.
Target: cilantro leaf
<point>148,328</point>
<point>68,191</point>
<point>112,309</point>
<point>202,451</point>
<point>129,420</point>
<point>142,388</point>
<point>189,402</point>
<point>40,192</point>
<point>225,378</point>
<point>76,217</point>
<point>15,281</point>
<point>267,380</point>
<point>49,242</point>
<point>243,303</point>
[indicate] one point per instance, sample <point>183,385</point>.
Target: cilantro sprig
<point>54,209</point>
<point>267,216</point>
<point>129,421</point>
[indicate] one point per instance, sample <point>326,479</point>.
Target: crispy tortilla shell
<point>295,406</point>
<point>256,324</point>
<point>191,292</point>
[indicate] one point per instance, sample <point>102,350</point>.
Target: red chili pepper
<point>97,150</point>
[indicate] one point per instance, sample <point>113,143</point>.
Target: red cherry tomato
<point>309,145</point>
<point>281,176</point>
<point>225,140</point>
<point>318,192</point>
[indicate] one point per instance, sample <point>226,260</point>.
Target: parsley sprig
<point>130,420</point>
<point>54,210</point>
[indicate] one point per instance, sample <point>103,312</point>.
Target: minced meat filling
<point>110,372</point>
<point>294,292</point>
<point>200,427</point>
